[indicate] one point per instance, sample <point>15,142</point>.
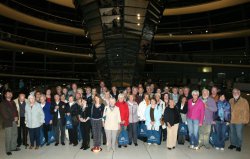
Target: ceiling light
<point>138,24</point>
<point>22,52</point>
<point>118,18</point>
<point>56,48</point>
<point>191,32</point>
<point>138,15</point>
<point>206,31</point>
<point>117,55</point>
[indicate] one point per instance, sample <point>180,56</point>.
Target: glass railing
<point>42,15</point>
<point>42,44</point>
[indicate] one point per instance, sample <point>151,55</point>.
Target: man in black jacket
<point>58,110</point>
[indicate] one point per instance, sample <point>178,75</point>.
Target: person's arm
<point>202,113</point>
<point>127,114</point>
<point>3,113</point>
<point>212,105</point>
<point>42,116</point>
<point>246,112</point>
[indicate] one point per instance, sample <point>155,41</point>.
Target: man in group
<point>9,115</point>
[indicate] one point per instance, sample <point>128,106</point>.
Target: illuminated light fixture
<point>170,34</point>
<point>56,48</point>
<point>248,94</point>
<point>191,32</point>
<point>206,31</point>
<point>118,18</point>
<point>138,24</point>
<point>22,52</point>
<point>206,69</point>
<point>138,15</point>
<point>240,61</point>
<point>117,55</point>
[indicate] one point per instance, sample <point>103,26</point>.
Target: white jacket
<point>34,117</point>
<point>141,110</point>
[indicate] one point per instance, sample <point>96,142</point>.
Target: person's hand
<point>200,124</point>
<point>119,126</point>
<point>68,114</point>
<point>205,105</point>
<point>16,119</point>
<point>123,122</point>
<point>50,122</point>
<point>227,123</point>
<point>169,125</point>
<point>56,107</point>
<point>81,119</point>
<point>152,123</point>
<point>213,122</point>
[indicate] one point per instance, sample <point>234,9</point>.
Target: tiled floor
<point>132,152</point>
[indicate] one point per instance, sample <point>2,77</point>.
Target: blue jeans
<point>193,128</point>
<point>34,134</point>
<point>220,129</point>
<point>236,134</point>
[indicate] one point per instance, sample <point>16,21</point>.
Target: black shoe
<point>19,145</point>
<point>47,144</point>
<point>130,143</point>
<point>17,149</point>
<point>9,153</point>
<point>104,143</point>
<point>81,147</point>
<point>119,146</point>
<point>125,146</point>
<point>63,143</point>
<point>173,147</point>
<point>85,148</point>
<point>238,149</point>
<point>56,144</point>
<point>26,145</point>
<point>169,148</point>
<point>70,143</point>
<point>136,144</point>
<point>75,144</point>
<point>231,147</point>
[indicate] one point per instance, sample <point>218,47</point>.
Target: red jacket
<point>124,111</point>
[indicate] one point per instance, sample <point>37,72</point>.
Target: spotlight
<point>206,31</point>
<point>138,24</point>
<point>138,15</point>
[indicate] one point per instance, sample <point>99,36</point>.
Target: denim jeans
<point>220,129</point>
<point>204,134</point>
<point>236,134</point>
<point>193,127</point>
<point>34,134</point>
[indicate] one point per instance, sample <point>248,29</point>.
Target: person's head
<point>88,90</point>
<point>236,93</point>
<point>166,89</point>
<point>171,103</point>
<point>195,94</point>
<point>83,101</point>
<point>222,96</point>
<point>152,86</point>
<point>21,97</point>
<point>97,100</point>
<point>71,99</point>
<point>37,96</point>
<point>175,90</point>
<point>104,89</point>
<point>131,97</point>
<point>48,91</point>
<point>128,90</point>
<point>146,97</point>
<point>183,99</point>
<point>107,95</point>
<point>134,90</point>
<point>186,91</point>
<point>31,99</point>
<point>74,86</point>
<point>112,101</point>
<point>166,97</point>
<point>94,92</point>
<point>62,97</point>
<point>59,90</point>
<point>140,85</point>
<point>43,98</point>
<point>78,96</point>
<point>102,84</point>
<point>114,89</point>
<point>57,98</point>
<point>153,102</point>
<point>8,95</point>
<point>205,93</point>
<point>181,91</point>
<point>79,90</point>
<point>214,91</point>
<point>148,89</point>
<point>65,90</point>
<point>157,97</point>
<point>121,97</point>
<point>158,90</point>
<point>140,90</point>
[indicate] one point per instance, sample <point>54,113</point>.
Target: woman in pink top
<point>195,117</point>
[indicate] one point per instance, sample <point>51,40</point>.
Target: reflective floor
<point>143,151</point>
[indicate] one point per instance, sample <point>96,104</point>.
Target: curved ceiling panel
<point>232,34</point>
<point>18,47</point>
<point>178,11</point>
<point>21,17</point>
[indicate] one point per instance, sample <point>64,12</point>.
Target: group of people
<point>105,113</point>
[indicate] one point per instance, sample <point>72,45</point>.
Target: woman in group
<point>84,117</point>
<point>48,95</point>
<point>47,126</point>
<point>133,120</point>
<point>222,118</point>
<point>182,106</point>
<point>96,122</point>
<point>172,119</point>
<point>141,112</point>
<point>195,118</point>
<point>106,98</point>
<point>124,111</point>
<point>73,110</point>
<point>153,116</point>
<point>111,122</point>
<point>34,118</point>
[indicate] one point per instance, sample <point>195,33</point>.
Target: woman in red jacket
<point>124,111</point>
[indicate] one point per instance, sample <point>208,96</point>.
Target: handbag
<point>42,138</point>
<point>142,130</point>
<point>213,136</point>
<point>69,124</point>
<point>51,136</point>
<point>183,129</point>
<point>123,137</point>
<point>154,136</point>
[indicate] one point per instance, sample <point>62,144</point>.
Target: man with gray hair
<point>205,129</point>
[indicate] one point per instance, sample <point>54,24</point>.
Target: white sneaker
<point>191,146</point>
<point>155,144</point>
<point>217,148</point>
<point>149,143</point>
<point>222,149</point>
<point>196,148</point>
